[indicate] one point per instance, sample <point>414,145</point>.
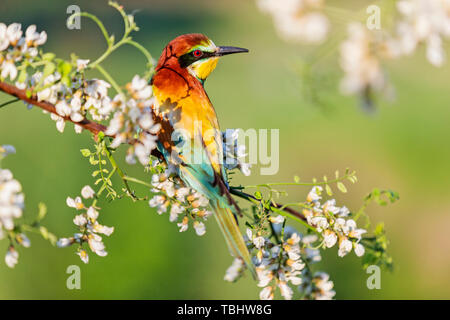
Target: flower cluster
<point>134,118</point>
<point>11,208</point>
<point>333,223</point>
<point>284,264</point>
<point>15,47</point>
<point>423,21</point>
<point>182,202</point>
<point>234,153</point>
<point>89,227</point>
<point>277,265</point>
<point>65,86</point>
<point>318,286</point>
<point>361,62</point>
<point>298,20</point>
<point>416,23</point>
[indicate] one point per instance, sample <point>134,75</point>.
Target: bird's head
<point>196,53</point>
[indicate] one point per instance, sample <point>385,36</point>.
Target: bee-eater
<point>190,136</point>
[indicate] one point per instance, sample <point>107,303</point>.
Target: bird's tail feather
<point>235,241</point>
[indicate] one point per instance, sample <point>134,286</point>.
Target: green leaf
<point>100,136</point>
<point>64,68</point>
<point>44,232</point>
<point>22,76</point>
<point>328,190</point>
<point>48,56</point>
<point>65,79</point>
<point>258,195</point>
<point>341,187</point>
<point>48,69</point>
<point>85,152</point>
<point>42,211</point>
<point>296,179</point>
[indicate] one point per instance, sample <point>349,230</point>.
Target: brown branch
<point>275,205</point>
<point>87,124</point>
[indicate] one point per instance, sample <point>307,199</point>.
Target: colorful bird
<point>190,137</point>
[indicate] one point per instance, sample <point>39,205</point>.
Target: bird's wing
<point>190,138</point>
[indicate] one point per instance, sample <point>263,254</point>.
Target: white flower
<point>87,192</point>
<point>160,203</point>
<point>345,246</point>
<point>325,286</point>
<point>33,38</point>
<point>14,33</point>
<point>183,225</point>
<point>65,110</point>
<point>83,255</point>
<point>297,20</point>
<point>266,294</point>
<point>277,220</point>
<point>80,220</point>
<point>82,64</point>
<point>314,194</point>
<point>11,257</point>
<point>359,249</point>
<point>140,89</point>
<point>360,62</point>
<point>75,203</point>
<point>97,88</point>
<point>264,276</point>
<point>199,228</point>
<point>175,211</point>
<point>235,270</point>
<point>96,245</point>
<point>8,70</point>
<point>286,291</point>
<point>258,242</point>
<point>92,213</point>
<point>64,242</point>
<point>233,153</point>
<point>23,240</point>
<point>296,265</point>
<point>6,149</point>
<point>330,238</point>
<point>321,223</point>
<point>97,227</point>
<point>60,123</point>
<point>343,212</point>
<point>11,200</point>
<point>4,41</point>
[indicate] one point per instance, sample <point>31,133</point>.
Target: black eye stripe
<point>189,58</point>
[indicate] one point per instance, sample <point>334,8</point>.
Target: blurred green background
<point>404,146</point>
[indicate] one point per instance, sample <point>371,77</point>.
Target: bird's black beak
<point>222,51</point>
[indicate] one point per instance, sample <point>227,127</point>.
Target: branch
<point>275,205</point>
<point>87,124</point>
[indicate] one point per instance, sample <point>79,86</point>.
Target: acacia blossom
<point>90,230</point>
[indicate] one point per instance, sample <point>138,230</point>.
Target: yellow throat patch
<point>203,68</point>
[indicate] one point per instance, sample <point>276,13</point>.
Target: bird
<point>190,136</point>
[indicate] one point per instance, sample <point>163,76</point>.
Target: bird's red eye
<point>197,53</point>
